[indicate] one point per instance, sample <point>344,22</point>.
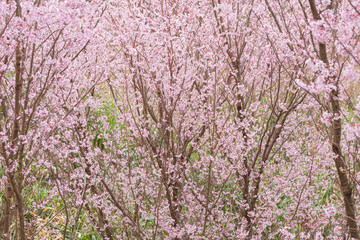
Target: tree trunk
<point>6,218</point>
<point>345,185</point>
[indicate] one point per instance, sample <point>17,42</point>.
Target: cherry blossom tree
<point>233,89</point>
<point>181,119</point>
<point>325,38</point>
<point>46,77</point>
